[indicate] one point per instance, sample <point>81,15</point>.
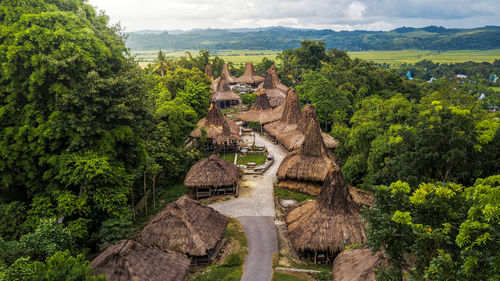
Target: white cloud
<point>333,14</point>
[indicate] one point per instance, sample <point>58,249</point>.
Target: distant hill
<point>280,38</point>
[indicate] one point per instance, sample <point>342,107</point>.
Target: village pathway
<point>254,208</point>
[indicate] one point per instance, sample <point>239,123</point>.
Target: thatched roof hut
<point>276,95</point>
<point>250,76</point>
<point>356,264</point>
<point>129,260</point>
<point>261,111</point>
<point>290,118</point>
<point>223,92</point>
<point>306,169</point>
<point>276,80</point>
<point>185,226</point>
<point>212,171</point>
<point>229,77</point>
<point>214,123</point>
<point>328,224</point>
<point>293,139</point>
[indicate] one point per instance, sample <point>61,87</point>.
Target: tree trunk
<point>145,194</point>
<point>133,208</point>
<point>154,193</point>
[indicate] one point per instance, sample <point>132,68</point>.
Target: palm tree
<point>161,64</point>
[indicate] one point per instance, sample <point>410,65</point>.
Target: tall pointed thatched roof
<point>249,76</point>
<point>261,111</point>
<point>292,140</point>
<point>209,72</point>
<point>185,226</point>
<point>129,260</point>
<point>276,95</point>
<point>305,169</point>
<point>329,223</point>
<point>289,119</point>
<point>276,80</point>
<point>213,124</point>
<point>229,77</point>
<point>212,171</point>
<point>223,91</point>
<point>356,264</point>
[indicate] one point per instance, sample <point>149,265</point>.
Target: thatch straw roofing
<point>212,171</point>
<point>356,264</point>
<point>292,140</point>
<point>276,95</point>
<point>229,77</point>
<point>185,226</point>
<point>261,111</point>
<point>224,92</point>
<point>129,260</point>
<point>290,117</point>
<point>209,72</point>
<point>249,76</point>
<point>276,81</point>
<point>328,223</point>
<point>311,162</point>
<point>213,124</point>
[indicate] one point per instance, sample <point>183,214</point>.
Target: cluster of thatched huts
<point>184,232</point>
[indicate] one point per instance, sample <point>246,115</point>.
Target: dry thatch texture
<point>292,140</point>
<point>185,226</point>
<point>311,163</point>
<point>209,72</point>
<point>229,77</point>
<point>276,96</point>
<point>290,117</point>
<point>212,171</point>
<point>213,124</point>
<point>356,265</point>
<point>226,136</point>
<point>129,260</point>
<point>249,76</point>
<point>223,91</point>
<point>276,81</point>
<point>261,111</point>
<point>328,223</point>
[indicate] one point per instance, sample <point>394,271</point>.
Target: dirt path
<point>254,208</point>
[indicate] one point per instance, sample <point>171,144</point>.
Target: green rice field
<point>393,58</point>
<point>396,58</point>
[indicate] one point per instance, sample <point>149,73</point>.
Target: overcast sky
<point>331,14</point>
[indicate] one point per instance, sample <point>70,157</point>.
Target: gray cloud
<point>333,14</point>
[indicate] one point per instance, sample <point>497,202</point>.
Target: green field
<point>396,58</point>
<point>393,58</point>
<point>237,57</point>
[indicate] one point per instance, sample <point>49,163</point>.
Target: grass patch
<point>282,193</point>
<point>231,268</point>
<point>281,276</point>
<point>259,159</point>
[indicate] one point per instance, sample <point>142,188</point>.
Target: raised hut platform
<point>213,176</point>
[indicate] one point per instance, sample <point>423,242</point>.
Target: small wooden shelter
<point>223,94</point>
<point>188,227</point>
<point>250,77</point>
<point>357,264</point>
<point>213,176</point>
<point>320,229</point>
<point>128,260</point>
<point>290,118</point>
<point>221,133</point>
<point>261,111</point>
<point>275,95</point>
<point>229,77</point>
<point>293,139</point>
<point>306,169</point>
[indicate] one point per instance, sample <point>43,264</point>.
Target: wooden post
<point>315,254</point>
<point>154,192</point>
